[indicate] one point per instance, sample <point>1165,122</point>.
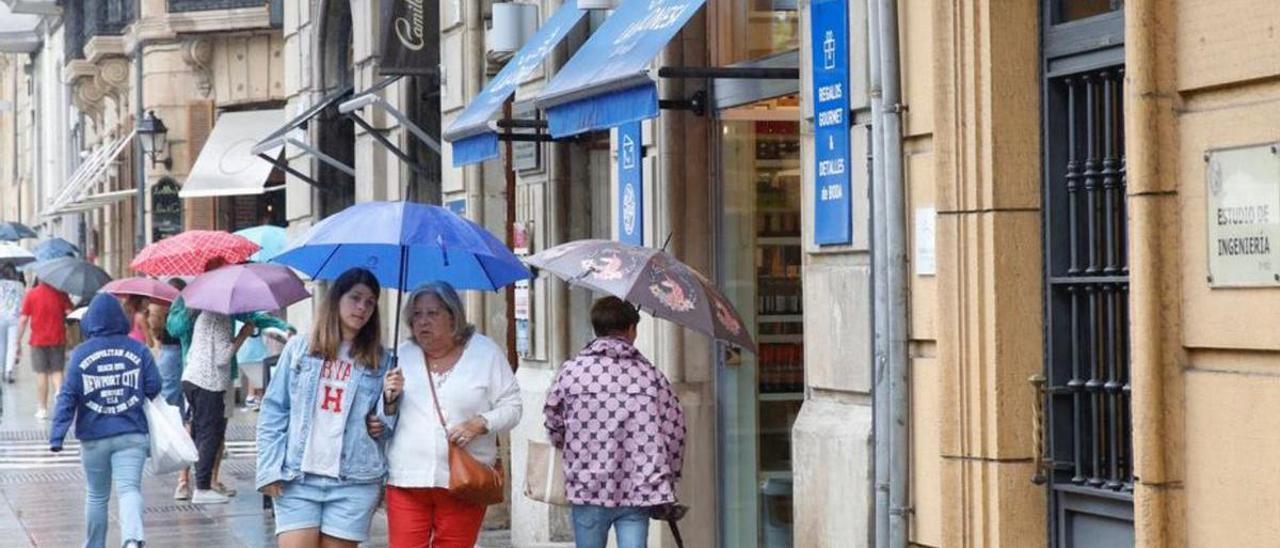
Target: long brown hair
<point>326,338</point>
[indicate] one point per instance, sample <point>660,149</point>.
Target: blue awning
<point>473,140</point>
<point>607,82</point>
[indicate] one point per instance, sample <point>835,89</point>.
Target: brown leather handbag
<point>469,479</point>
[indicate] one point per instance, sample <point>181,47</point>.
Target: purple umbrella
<point>650,279</point>
<point>242,288</point>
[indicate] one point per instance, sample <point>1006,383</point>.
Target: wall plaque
<point>1243,216</point>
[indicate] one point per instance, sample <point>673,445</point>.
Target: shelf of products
<point>779,257</point>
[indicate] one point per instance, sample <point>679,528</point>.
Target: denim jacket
<point>284,420</point>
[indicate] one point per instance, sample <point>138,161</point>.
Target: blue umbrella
<point>405,245</point>
<point>11,231</point>
<point>54,248</point>
<point>270,238</point>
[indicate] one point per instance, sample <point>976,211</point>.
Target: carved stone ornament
<point>198,53</point>
<point>113,76</point>
<point>87,96</point>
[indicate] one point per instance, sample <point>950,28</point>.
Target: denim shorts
<point>340,509</point>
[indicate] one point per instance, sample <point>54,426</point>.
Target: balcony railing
<point>88,18</point>
<point>177,6</point>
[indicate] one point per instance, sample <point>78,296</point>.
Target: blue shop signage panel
<point>833,207</point>
<point>630,185</point>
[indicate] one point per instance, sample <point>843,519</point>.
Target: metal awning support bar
<point>412,127</point>
<point>371,98</point>
<point>726,73</point>
<point>526,137</point>
<point>334,162</point>
<point>284,166</point>
<point>377,134</point>
<point>522,124</point>
<point>696,104</point>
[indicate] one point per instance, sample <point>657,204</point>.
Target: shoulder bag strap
<point>431,383</point>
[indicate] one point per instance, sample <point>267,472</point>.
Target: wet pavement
<point>42,493</point>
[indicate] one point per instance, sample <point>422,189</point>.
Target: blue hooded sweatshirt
<point>107,379</point>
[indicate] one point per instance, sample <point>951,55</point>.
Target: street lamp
<point>154,136</point>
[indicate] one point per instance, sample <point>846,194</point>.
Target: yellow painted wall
<point>1226,66</point>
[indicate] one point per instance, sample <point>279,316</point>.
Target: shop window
<point>752,29</point>
<point>1074,10</point>
<point>760,395</point>
<point>337,135</point>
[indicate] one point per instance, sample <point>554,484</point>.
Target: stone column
<point>990,269</point>
<point>1156,298</point>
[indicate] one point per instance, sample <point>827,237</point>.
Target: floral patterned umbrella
<point>187,253</point>
<point>650,279</point>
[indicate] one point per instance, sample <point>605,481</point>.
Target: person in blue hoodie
<point>107,380</point>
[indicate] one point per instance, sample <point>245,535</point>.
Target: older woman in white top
<point>479,398</point>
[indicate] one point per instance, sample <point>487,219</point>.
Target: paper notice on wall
<point>523,299</point>
<point>925,256</point>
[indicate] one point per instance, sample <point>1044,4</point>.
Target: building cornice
<point>167,27</point>
<point>102,46</point>
<point>76,69</point>
<point>36,7</point>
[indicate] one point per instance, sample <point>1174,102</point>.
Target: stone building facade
<point>1059,161</point>
<point>198,59</point>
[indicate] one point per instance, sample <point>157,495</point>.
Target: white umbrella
<point>15,255</point>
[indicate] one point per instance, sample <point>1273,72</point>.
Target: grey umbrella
<point>651,279</point>
<point>11,231</point>
<point>71,276</point>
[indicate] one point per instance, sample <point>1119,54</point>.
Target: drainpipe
<point>895,262</point>
<point>558,197</point>
<point>669,138</point>
<point>16,117</point>
<point>140,210</point>
<point>879,288</point>
<point>473,81</point>
<point>36,141</point>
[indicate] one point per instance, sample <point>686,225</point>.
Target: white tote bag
<point>171,447</point>
<point>544,474</point>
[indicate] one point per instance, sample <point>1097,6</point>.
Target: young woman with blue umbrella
<point>402,245</point>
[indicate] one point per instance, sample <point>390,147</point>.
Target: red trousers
<point>431,518</point>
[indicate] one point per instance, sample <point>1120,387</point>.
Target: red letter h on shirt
<point>332,396</point>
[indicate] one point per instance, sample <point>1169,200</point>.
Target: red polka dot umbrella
<point>187,253</point>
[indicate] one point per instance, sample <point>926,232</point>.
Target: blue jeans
<point>170,365</point>
<point>591,526</point>
<point>119,458</point>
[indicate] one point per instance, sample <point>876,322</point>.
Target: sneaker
<point>133,544</point>
<point>182,491</point>
<point>209,496</point>
<point>226,491</point>
<point>42,414</point>
<point>9,378</point>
